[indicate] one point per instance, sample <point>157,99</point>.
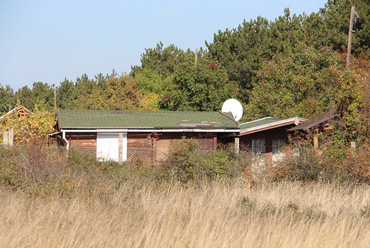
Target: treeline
<point>292,66</point>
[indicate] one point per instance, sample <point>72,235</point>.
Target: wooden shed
<point>140,135</point>
<point>316,125</point>
<point>6,137</point>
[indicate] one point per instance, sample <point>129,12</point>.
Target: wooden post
<point>154,147</point>
<point>120,148</point>
<point>215,142</point>
<point>350,35</point>
<point>5,138</point>
<point>237,146</point>
<point>11,137</point>
<point>316,142</point>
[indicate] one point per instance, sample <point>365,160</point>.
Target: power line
<point>239,68</point>
<point>242,68</point>
<point>331,37</point>
<point>363,19</point>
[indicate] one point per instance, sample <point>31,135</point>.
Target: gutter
<point>149,131</point>
<point>65,140</point>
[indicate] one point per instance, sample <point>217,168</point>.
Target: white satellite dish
<point>233,106</point>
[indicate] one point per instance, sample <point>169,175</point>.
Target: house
<point>7,135</point>
<point>266,139</point>
<point>20,111</point>
<point>147,136</point>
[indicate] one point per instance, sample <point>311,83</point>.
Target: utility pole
<point>350,31</point>
<point>113,73</point>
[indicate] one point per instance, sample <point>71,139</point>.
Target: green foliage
<point>199,88</point>
<point>120,94</point>
<point>353,96</point>
<point>36,124</point>
<point>41,93</point>
<point>187,162</point>
<point>7,98</point>
<point>184,164</point>
<point>247,47</point>
<point>300,84</point>
<point>150,81</point>
<point>162,60</point>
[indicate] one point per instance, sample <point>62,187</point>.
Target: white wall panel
<point>107,146</point>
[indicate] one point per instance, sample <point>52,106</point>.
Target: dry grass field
<point>217,214</point>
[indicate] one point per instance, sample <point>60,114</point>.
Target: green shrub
<point>188,163</point>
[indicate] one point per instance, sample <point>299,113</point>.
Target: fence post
<point>5,138</point>
<point>11,137</point>
<point>120,148</point>
<point>237,145</point>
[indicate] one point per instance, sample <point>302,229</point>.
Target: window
<point>258,154</point>
<point>278,150</point>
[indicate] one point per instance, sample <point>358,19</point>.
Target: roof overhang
<point>15,109</point>
<point>331,114</point>
<point>272,125</point>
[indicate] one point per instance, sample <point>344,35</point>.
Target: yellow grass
<point>207,215</point>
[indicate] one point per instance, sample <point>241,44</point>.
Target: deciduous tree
<point>120,94</point>
<point>199,88</point>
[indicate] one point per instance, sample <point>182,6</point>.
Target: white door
<point>107,146</point>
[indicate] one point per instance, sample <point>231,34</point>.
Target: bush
<point>188,162</point>
<point>336,161</point>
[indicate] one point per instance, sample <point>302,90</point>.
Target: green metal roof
<point>100,119</point>
<point>260,122</point>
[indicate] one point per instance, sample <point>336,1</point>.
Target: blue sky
<point>48,41</point>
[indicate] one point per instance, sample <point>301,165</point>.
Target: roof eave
<point>272,125</point>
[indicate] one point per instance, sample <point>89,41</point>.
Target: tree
<point>299,84</point>
<point>245,49</point>
<point>199,88</point>
<point>67,95</point>
<point>353,96</point>
<point>38,123</point>
<point>41,93</point>
<point>68,92</point>
<point>162,60</point>
<point>334,22</point>
<point>150,81</point>
<point>120,94</point>
<point>6,98</point>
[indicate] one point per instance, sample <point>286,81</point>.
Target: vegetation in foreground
<point>208,214</point>
<point>51,200</point>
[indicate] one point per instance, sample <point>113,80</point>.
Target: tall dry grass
<point>217,214</point>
